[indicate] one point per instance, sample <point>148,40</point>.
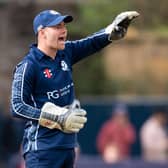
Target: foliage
<point>153,13</point>
<point>96,14</point>
<point>89,75</point>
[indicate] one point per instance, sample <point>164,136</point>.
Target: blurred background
<point>131,73</point>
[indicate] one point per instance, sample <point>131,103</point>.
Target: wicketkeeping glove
<point>68,120</point>
<point>119,26</point>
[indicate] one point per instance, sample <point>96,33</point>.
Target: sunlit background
<point>133,71</point>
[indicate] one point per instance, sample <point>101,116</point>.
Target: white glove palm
<point>68,120</point>
<point>74,120</point>
<point>118,28</point>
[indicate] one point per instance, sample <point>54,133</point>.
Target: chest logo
<point>47,73</point>
<point>64,66</point>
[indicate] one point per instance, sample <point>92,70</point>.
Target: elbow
<point>13,113</point>
<point>16,108</point>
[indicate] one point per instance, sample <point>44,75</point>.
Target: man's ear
<point>42,33</point>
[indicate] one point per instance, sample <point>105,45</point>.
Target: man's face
<point>55,36</point>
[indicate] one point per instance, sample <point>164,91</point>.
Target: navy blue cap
<point>49,18</point>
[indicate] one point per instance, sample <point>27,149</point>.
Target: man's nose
<point>64,29</point>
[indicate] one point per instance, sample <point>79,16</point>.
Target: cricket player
<point>43,88</point>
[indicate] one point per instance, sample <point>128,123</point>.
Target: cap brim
<point>65,18</point>
<point>68,18</point>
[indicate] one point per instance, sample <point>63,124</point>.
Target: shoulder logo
<point>64,66</point>
<point>47,73</point>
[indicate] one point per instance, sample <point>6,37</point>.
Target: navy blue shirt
<point>39,79</point>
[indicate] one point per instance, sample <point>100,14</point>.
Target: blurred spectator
<point>116,136</point>
<point>154,139</point>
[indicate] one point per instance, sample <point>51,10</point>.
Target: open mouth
<point>62,39</point>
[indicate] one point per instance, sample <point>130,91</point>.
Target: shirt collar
<point>38,53</point>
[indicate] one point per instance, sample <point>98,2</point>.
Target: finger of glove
<point>118,33</point>
<point>80,112</point>
<point>120,29</point>
<point>79,119</point>
<point>125,23</point>
<point>125,18</point>
<point>72,130</point>
<point>77,126</point>
<point>128,14</point>
<point>132,15</point>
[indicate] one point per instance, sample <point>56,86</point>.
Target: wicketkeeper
<point>43,88</point>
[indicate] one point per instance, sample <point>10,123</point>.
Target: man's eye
<point>60,26</point>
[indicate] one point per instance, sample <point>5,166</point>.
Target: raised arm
<point>87,46</point>
<point>91,44</point>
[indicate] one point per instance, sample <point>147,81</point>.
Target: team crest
<point>64,66</point>
<point>47,73</point>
